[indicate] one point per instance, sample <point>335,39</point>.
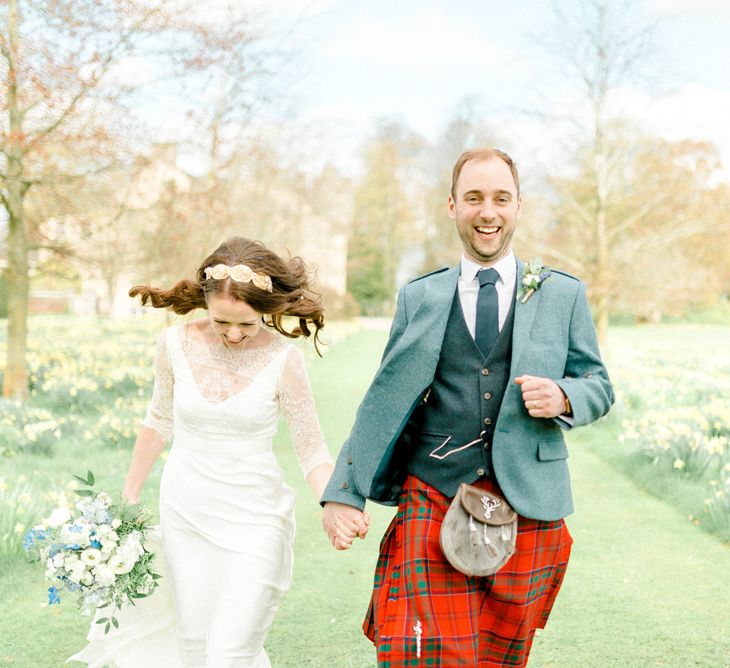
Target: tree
<point>601,48</point>
<point>65,93</point>
<point>383,216</point>
<point>657,218</point>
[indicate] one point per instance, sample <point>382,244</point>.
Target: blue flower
<point>76,528</point>
<point>31,536</point>
<point>53,596</point>
<point>95,544</point>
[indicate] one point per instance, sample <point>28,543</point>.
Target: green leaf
<point>106,628</point>
<point>83,492</point>
<point>156,576</point>
<point>115,622</point>
<point>102,620</point>
<point>88,480</point>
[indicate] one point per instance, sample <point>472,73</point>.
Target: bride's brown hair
<point>290,295</point>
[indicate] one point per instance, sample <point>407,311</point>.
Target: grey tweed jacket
<point>553,337</point>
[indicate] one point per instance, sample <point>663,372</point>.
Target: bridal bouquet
<point>97,553</point>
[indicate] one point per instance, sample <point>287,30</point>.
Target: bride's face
<point>233,320</point>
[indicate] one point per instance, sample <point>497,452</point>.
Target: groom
<point>477,382</point>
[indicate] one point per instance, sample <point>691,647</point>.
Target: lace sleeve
<point>297,402</point>
<point>159,412</point>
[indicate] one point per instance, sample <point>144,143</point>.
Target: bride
<point>226,514</point>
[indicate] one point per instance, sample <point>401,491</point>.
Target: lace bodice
<point>220,374</point>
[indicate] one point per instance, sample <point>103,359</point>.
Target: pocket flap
<point>484,506</point>
<point>550,450</point>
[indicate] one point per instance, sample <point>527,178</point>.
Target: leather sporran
<point>479,531</point>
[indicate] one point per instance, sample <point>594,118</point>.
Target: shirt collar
<point>506,268</point>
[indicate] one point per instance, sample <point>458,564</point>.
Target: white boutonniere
<point>533,277</point>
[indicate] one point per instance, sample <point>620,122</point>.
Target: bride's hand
<point>343,524</point>
<point>129,497</point>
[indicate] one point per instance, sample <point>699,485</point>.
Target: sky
<point>420,61</point>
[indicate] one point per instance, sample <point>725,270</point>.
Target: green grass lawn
<point>645,587</point>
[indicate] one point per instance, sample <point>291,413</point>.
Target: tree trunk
<point>15,380</point>
<point>602,279</point>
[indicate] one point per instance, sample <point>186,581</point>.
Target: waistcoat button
<point>487,421</point>
<point>487,395</point>
<point>480,471</point>
<point>485,372</point>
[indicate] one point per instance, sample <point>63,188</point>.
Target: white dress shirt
<point>506,267</point>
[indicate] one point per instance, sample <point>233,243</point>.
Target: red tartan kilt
<point>464,621</point>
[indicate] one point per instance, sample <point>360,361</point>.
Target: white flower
<point>146,586</point>
<point>121,563</point>
<point>76,571</point>
<point>132,545</point>
<point>109,541</point>
<point>104,499</point>
<point>58,560</point>
<point>91,556</point>
<point>59,516</point>
<point>50,569</point>
<point>71,559</point>
<point>104,575</point>
<point>116,523</point>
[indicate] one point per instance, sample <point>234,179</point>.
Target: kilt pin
<point>423,612</point>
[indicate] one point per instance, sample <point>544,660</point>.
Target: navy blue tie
<point>487,327</point>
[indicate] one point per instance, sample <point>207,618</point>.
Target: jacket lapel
<point>524,318</point>
<point>436,304</point>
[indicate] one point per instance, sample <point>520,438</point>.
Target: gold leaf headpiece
<point>240,273</point>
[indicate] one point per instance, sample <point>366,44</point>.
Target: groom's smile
<point>485,209</point>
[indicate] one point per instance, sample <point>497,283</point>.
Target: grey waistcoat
<point>451,432</point>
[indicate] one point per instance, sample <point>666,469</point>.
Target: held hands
<point>543,397</point>
<point>342,523</point>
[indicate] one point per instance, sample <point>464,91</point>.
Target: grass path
<point>644,587</point>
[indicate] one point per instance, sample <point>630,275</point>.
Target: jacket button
<point>485,372</point>
<point>345,485</point>
<point>487,395</point>
<point>480,471</point>
<point>487,421</point>
<point>349,460</point>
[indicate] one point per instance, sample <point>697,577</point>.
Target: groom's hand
<point>343,523</point>
<point>542,397</point>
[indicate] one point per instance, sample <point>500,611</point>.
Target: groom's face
<point>485,208</point>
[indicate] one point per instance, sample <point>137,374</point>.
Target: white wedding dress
<point>226,514</point>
